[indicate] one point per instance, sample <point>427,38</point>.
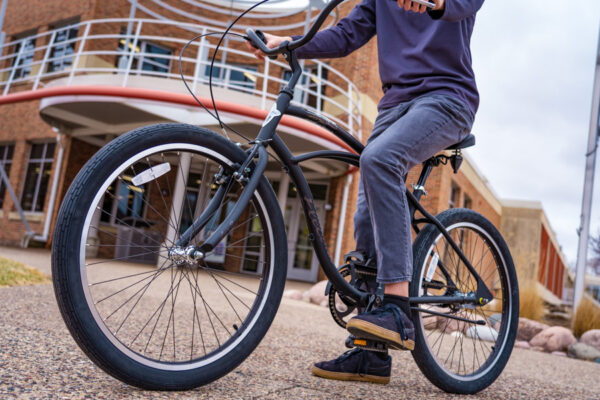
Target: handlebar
<point>258,40</point>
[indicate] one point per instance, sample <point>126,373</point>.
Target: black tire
<point>494,264</point>
<point>87,323</point>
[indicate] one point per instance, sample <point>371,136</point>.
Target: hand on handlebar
<point>272,42</point>
<point>409,5</point>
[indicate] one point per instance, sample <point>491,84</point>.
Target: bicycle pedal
<point>366,344</point>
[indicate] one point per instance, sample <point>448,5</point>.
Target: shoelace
<point>363,363</point>
<point>395,310</point>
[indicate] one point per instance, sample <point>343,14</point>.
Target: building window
<point>37,178</point>
<point>6,156</point>
<point>24,51</point>
<point>63,47</point>
<point>467,202</point>
<point>454,195</point>
<point>148,56</point>
<point>125,203</point>
<point>242,78</point>
<point>309,86</point>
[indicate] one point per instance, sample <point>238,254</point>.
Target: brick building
<point>75,75</point>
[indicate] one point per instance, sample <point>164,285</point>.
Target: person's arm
<point>349,34</point>
<point>456,10</point>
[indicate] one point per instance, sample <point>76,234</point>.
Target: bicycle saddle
<point>466,142</point>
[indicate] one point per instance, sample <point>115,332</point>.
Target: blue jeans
<point>403,136</point>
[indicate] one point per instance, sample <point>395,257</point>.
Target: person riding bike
<point>429,103</point>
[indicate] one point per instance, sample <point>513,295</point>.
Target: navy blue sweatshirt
<point>418,53</point>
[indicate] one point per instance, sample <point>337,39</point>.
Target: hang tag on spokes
<point>432,267</point>
<point>151,174</point>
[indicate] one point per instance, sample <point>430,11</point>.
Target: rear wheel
<point>142,315</point>
<point>460,356</point>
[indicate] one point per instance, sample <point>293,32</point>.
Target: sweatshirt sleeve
<point>349,34</point>
<point>456,10</point>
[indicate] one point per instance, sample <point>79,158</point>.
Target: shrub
<point>531,304</point>
<point>587,316</point>
<point>14,273</point>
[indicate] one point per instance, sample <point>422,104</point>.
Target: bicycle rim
<point>464,350</point>
<point>164,315</point>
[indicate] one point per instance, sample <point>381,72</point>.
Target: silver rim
<point>453,359</point>
<point>191,276</point>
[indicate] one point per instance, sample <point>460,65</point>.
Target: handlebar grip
<point>259,41</point>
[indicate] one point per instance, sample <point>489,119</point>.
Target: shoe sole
<point>367,330</point>
<point>348,376</point>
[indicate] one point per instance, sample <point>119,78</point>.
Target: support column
<point>92,240</point>
<point>282,194</point>
<point>177,199</point>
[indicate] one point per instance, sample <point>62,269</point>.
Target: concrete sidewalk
<point>39,359</point>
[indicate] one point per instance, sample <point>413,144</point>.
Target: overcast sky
<point>535,62</point>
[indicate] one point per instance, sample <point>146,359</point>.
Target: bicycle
<point>464,291</point>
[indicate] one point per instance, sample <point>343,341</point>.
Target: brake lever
<point>263,38</point>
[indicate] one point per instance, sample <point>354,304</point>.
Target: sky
<point>534,62</point>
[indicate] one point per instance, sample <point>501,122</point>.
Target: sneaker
<point>388,324</point>
<point>356,365</point>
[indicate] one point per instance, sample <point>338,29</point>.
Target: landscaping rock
<point>494,318</point>
<point>555,338</point>
<point>537,348</point>
<point>528,329</point>
<point>448,325</point>
<point>316,294</point>
<point>559,353</point>
<point>592,338</point>
<point>486,333</point>
<point>430,321</point>
<point>583,351</point>
<point>293,294</point>
<point>522,344</point>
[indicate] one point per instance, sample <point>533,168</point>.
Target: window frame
<point>42,161</point>
<point>23,63</point>
<point>4,151</point>
<point>64,61</point>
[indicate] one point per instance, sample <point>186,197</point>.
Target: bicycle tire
<point>84,317</point>
<point>470,228</point>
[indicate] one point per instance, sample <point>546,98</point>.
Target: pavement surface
<point>39,359</point>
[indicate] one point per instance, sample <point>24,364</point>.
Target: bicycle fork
<point>182,252</point>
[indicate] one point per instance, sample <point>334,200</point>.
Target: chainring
<point>361,282</point>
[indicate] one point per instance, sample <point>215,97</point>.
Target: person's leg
<point>363,229</point>
<point>430,124</point>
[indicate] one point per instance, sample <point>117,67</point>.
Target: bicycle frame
<point>250,173</point>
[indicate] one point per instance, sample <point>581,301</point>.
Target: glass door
<point>302,261</point>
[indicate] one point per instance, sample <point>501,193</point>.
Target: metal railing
<point>151,48</point>
<point>300,17</point>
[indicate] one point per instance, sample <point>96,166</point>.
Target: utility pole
<point>588,187</point>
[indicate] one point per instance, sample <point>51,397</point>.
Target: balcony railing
<point>124,48</point>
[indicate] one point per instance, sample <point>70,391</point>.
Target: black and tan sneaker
<point>356,365</point>
<point>388,324</point>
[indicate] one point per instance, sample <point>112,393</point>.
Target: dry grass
<point>587,316</point>
<point>531,303</point>
<point>14,273</point>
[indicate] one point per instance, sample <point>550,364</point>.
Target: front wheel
<point>457,355</point>
<point>136,310</point>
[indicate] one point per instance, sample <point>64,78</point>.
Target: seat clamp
<point>420,188</point>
